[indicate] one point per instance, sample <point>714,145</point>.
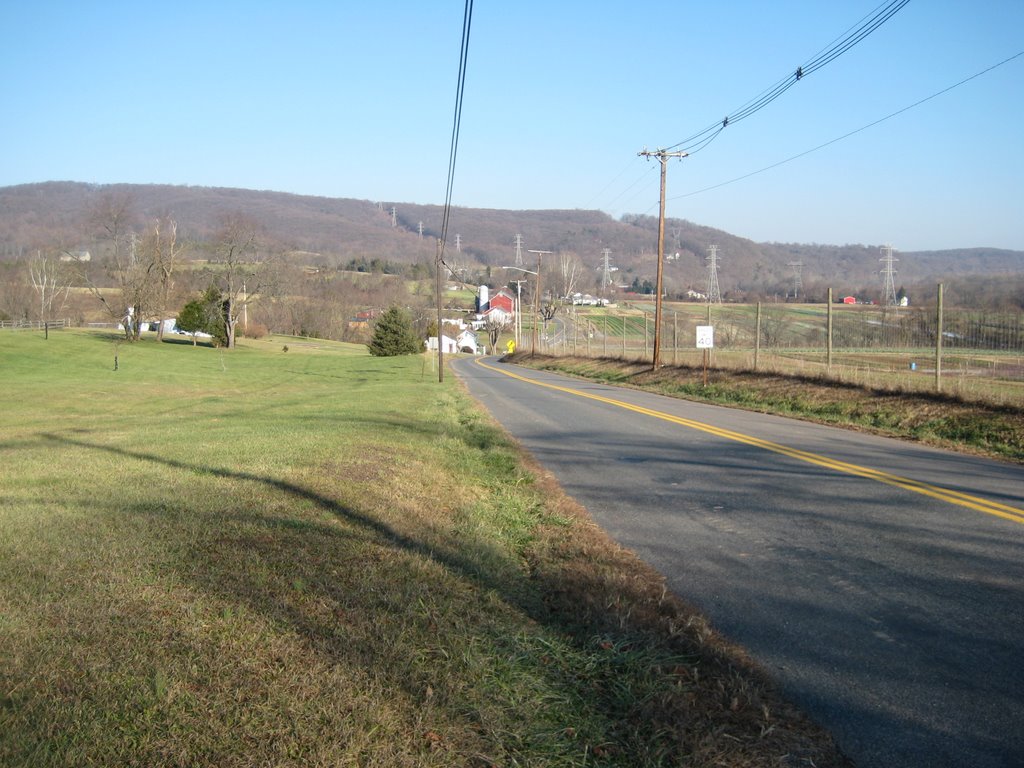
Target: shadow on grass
<point>186,341</point>
<point>655,684</point>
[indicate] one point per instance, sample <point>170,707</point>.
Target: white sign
<point>705,337</point>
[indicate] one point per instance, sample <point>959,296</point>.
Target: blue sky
<point>356,100</point>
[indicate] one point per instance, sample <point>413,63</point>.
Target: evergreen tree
<point>393,335</point>
<point>206,315</point>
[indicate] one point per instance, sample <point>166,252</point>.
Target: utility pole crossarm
<point>661,154</point>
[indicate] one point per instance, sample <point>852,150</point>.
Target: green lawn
<point>315,557</point>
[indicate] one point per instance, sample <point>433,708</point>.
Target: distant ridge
<point>337,230</point>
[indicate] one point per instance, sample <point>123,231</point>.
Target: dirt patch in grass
<point>938,419</point>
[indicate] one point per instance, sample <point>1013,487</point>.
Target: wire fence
<point>975,353</point>
<point>34,325</point>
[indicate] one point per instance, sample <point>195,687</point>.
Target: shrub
<point>393,335</point>
<point>255,331</point>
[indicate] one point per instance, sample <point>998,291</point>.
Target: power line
<point>879,16</point>
<point>606,187</point>
<point>833,50</point>
<point>457,121</point>
<point>467,19</point>
<point>648,169</point>
<point>851,133</point>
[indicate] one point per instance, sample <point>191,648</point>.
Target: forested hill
<point>334,231</point>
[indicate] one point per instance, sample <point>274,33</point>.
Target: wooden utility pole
<point>938,341</point>
<point>536,301</point>
<point>437,295</point>
<point>663,157</point>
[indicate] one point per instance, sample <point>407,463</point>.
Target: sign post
<point>705,341</point>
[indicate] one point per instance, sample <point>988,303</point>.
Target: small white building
<point>586,300</point>
<point>448,345</point>
<point>465,342</point>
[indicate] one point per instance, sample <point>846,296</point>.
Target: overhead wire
<point>851,133</point>
<point>834,50</point>
<point>646,172</point>
<point>840,45</point>
<point>607,186</point>
<point>467,20</point>
<point>853,38</point>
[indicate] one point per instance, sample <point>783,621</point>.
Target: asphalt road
<point>880,582</point>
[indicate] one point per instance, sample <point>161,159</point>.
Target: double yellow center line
<point>926,489</point>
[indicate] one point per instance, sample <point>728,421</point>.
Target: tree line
<point>116,267</point>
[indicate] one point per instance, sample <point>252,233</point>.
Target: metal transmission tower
<point>458,243</point>
<point>798,281</point>
<point>421,230</point>
<point>889,292</point>
<point>606,270</point>
<point>714,295</point>
<point>519,250</point>
<point>394,217</point>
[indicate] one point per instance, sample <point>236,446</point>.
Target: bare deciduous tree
<point>494,328</point>
<point>112,218</point>
<point>569,271</point>
<point>775,323</point>
<point>548,312</point>
<point>246,272</point>
<point>50,283</point>
<point>159,253</point>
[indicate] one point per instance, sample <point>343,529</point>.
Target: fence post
<point>757,335</point>
<point>828,353</point>
<point>938,341</point>
<point>675,338</point>
<point>575,331</point>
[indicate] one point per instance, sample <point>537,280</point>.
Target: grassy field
<point>312,557</point>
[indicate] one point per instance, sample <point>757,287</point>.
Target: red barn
<point>503,300</point>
